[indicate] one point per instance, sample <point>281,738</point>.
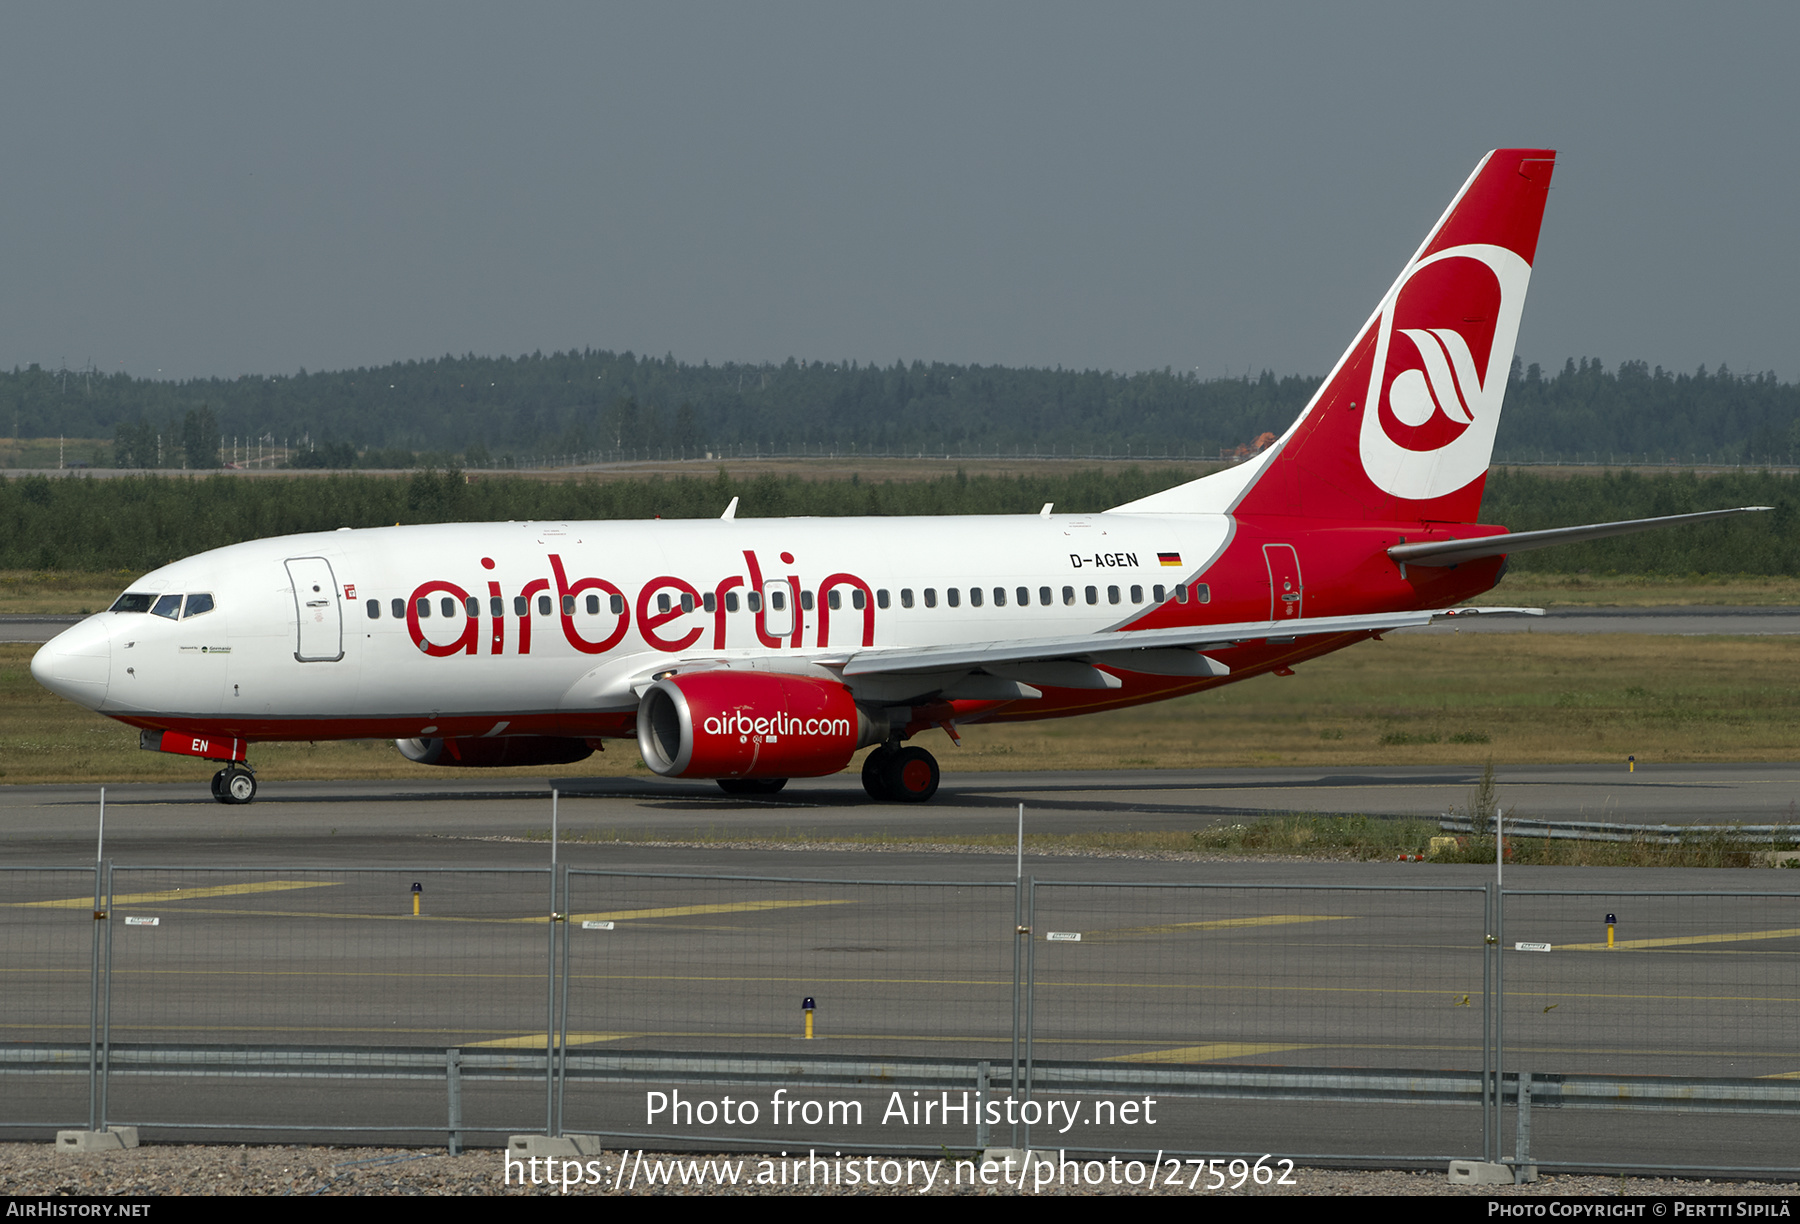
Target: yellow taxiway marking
<point>1215,1052</point>
<point>737,907</point>
<point>180,894</point>
<point>537,1041</point>
<point>683,911</point>
<point>1224,924</point>
<point>1681,941</point>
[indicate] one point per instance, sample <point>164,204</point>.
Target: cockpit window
<point>133,601</point>
<point>196,604</point>
<point>169,606</point>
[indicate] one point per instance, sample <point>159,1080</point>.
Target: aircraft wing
<point>1153,648</point>
<point>1455,552</point>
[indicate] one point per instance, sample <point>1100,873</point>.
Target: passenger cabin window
<point>833,600</point>
<point>449,605</point>
<point>201,603</point>
<point>1092,594</point>
<point>1180,594</point>
<point>520,605</point>
<point>1158,594</point>
<point>778,601</point>
<point>398,608</point>
<point>1069,596</point>
<point>806,601</point>
<point>1024,594</point>
<point>906,597</point>
<point>1112,594</point>
<point>731,601</point>
<point>974,597</point>
<point>953,596</point>
<point>687,602</point>
<point>617,604</point>
<point>169,606</point>
<point>374,609</point>
<point>568,603</point>
<point>1137,594</point>
<point>543,605</point>
<point>1044,596</point>
<point>424,607</point>
<point>133,601</point>
<point>709,602</point>
<point>931,597</point>
<point>858,600</point>
<point>881,598</point>
<point>662,603</point>
<point>472,606</point>
<point>1202,592</point>
<point>496,606</point>
<point>753,600</point>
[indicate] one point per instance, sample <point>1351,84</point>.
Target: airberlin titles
<point>662,601</point>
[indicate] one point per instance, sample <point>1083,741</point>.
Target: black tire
<point>238,786</point>
<point>218,788</point>
<point>752,786</point>
<point>911,776</point>
<point>874,774</point>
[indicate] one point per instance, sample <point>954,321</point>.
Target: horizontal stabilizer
<point>1455,552</point>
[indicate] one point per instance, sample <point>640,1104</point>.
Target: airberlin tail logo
<point>1443,349</point>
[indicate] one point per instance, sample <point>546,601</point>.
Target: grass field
<point>1514,698</point>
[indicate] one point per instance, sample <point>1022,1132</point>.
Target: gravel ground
<point>32,1170</point>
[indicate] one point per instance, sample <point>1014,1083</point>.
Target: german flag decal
<point>1169,559</point>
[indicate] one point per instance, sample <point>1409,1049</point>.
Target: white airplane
<point>752,651</point>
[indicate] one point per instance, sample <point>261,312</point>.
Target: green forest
<point>500,412</point>
<point>134,523</point>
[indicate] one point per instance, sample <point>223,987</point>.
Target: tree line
<point>493,411</point>
<point>130,524</point>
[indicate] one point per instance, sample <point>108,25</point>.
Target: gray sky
<point>231,189</point>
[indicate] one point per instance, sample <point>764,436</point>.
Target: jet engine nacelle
<point>750,724</point>
<point>496,752</point>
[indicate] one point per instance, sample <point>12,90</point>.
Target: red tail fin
<point>1403,428</point>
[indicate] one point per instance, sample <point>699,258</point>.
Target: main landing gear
<point>234,784</point>
<point>892,774</point>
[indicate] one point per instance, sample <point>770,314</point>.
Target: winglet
<point>730,511</point>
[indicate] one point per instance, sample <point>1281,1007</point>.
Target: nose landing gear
<point>234,784</point>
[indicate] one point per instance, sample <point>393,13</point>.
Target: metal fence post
<point>562,1042</point>
<point>1488,1108</point>
<point>94,1010</point>
<point>1522,1128</point>
<point>550,1014</point>
<point>1030,990</point>
<point>981,1092</point>
<point>1012,1084</point>
<point>106,1000</point>
<point>94,975</point>
<point>550,988</point>
<point>1499,1008</point>
<point>453,1085</point>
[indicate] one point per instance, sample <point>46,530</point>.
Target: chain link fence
<point>1394,1025</point>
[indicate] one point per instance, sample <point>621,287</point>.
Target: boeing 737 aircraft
<point>753,651</point>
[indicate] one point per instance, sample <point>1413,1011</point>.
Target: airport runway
<point>301,935</point>
<point>1669,620</point>
<point>431,818</point>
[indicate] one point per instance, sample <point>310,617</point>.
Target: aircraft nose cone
<point>77,663</point>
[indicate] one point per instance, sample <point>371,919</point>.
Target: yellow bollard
<point>417,892</point>
<point>806,1006</point>
<point>1610,920</point>
<point>1631,764</point>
